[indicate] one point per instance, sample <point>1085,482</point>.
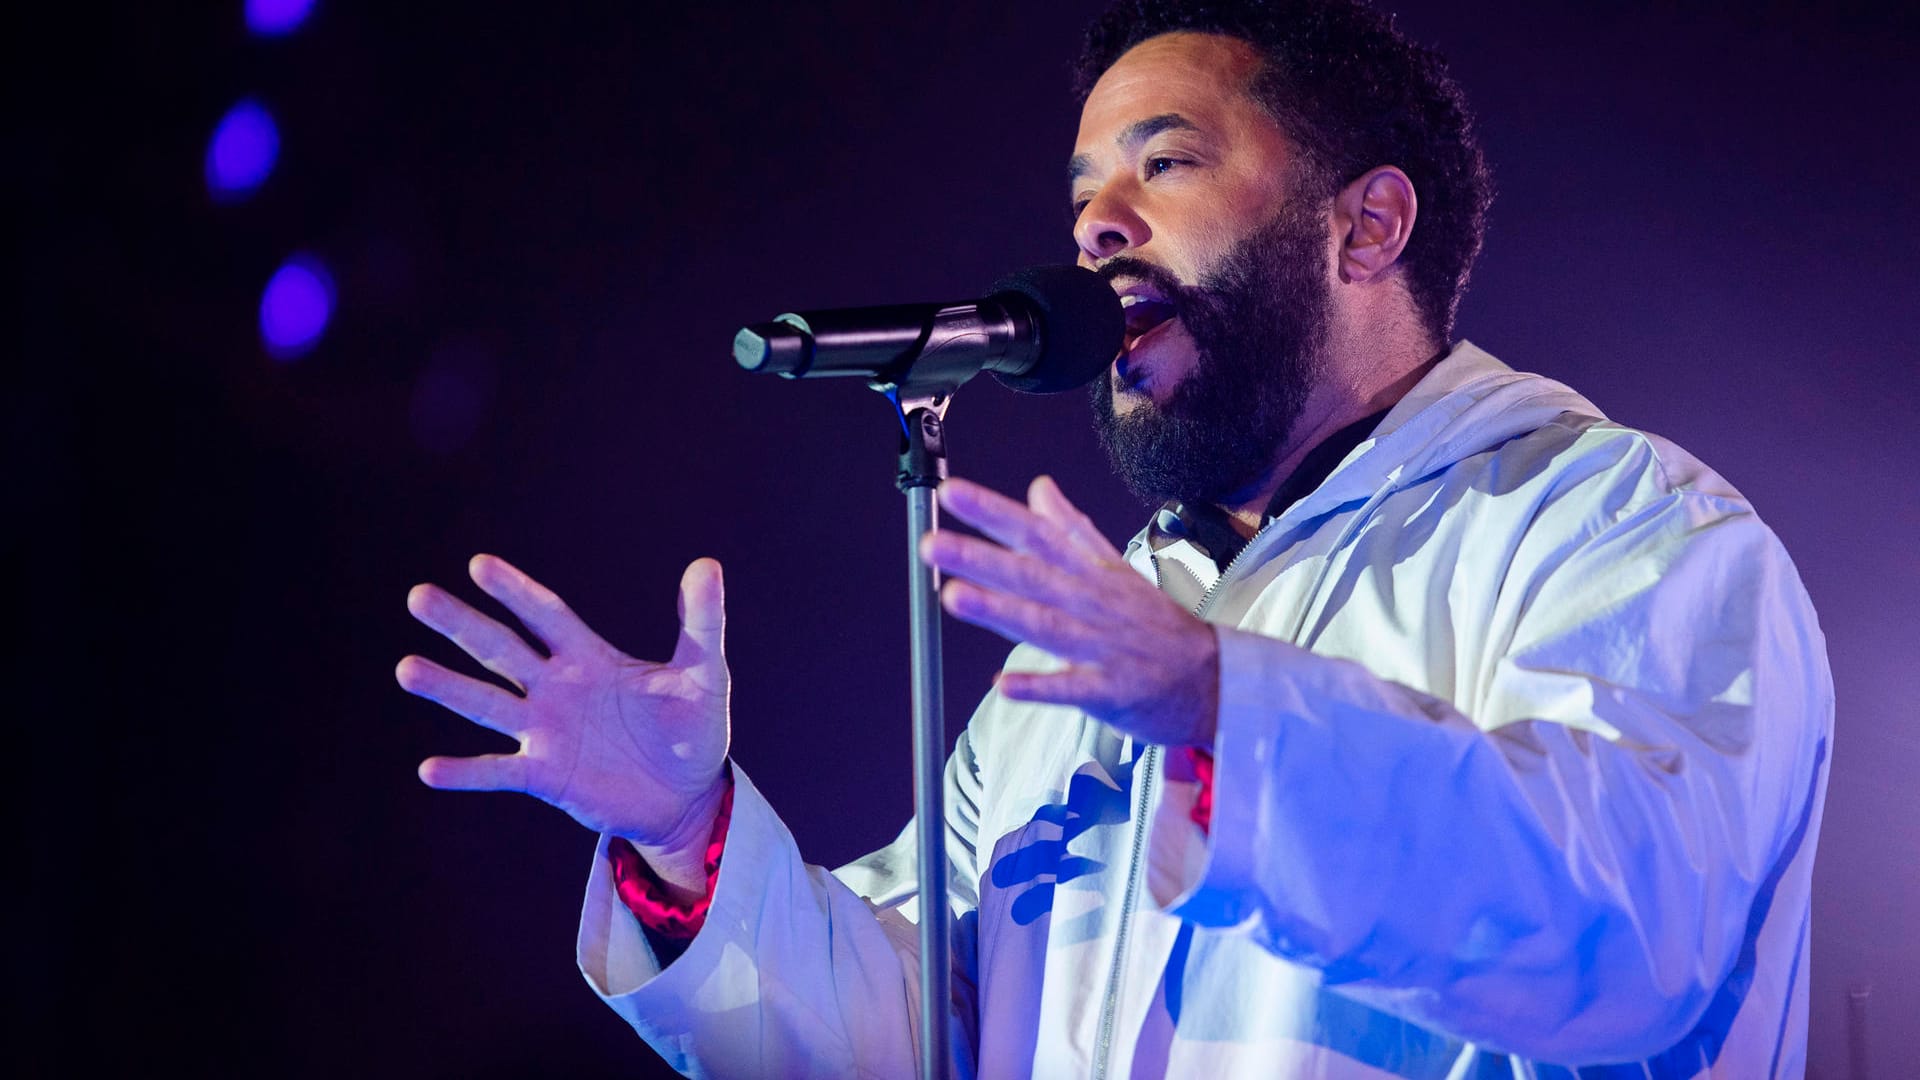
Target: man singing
<point>1436,725</point>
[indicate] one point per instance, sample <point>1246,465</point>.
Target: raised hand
<point>1135,658</point>
<point>625,746</point>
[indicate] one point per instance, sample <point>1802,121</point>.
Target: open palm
<point>625,746</point>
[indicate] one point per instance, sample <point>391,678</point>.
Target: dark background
<point>545,227</point>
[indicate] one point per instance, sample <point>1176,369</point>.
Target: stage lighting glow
<point>241,154</point>
<point>295,308</point>
<point>277,18</point>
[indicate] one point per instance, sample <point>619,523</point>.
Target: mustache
<point>1180,295</point>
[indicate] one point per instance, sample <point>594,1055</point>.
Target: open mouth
<point>1144,315</point>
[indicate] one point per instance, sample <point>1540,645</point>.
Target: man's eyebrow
<point>1136,133</point>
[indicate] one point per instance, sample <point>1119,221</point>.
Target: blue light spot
<point>295,308</point>
<point>242,151</point>
<point>277,18</point>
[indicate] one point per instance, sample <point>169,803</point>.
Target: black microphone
<point>1040,331</point>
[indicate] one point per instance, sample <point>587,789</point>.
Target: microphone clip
<point>923,437</point>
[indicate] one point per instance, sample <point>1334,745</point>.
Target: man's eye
<point>1079,207</point>
<point>1156,166</point>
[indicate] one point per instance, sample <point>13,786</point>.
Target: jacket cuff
<point>1209,876</point>
<point>613,951</point>
<point>646,895</point>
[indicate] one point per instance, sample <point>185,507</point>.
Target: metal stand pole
<point>923,464</point>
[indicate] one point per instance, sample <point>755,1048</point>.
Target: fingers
<point>498,649</point>
<point>532,603</point>
<point>483,703</point>
<point>1007,521</point>
<point>488,772</point>
<point>997,568</point>
<point>703,623</point>
<point>1081,687</point>
<point>1020,620</point>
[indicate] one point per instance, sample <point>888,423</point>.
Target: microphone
<point>1040,331</point>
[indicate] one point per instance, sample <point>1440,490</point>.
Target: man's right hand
<point>625,746</point>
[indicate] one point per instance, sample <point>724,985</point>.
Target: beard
<point>1260,323</point>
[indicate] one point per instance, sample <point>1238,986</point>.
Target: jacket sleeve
<point>1562,862</point>
<point>796,972</point>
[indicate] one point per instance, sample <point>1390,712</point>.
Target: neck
<point>1335,403</point>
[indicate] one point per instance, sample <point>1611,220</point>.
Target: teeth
<point>1134,298</point>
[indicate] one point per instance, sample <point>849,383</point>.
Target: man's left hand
<point>1135,658</point>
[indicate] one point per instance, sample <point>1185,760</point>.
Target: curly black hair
<point>1351,93</point>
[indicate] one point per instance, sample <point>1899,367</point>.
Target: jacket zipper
<point>1206,598</point>
<point>1148,758</point>
<point>1111,1005</point>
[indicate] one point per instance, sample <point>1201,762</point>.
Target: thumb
<point>703,620</point>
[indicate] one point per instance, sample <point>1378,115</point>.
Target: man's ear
<point>1373,217</point>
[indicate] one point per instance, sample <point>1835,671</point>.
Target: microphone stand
<point>923,465</point>
<point>918,355</point>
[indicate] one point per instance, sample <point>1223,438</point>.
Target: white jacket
<point>1522,748</point>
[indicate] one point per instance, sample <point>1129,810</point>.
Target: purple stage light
<point>295,308</point>
<point>241,154</point>
<point>277,18</point>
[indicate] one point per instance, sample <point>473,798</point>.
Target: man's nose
<point>1109,225</point>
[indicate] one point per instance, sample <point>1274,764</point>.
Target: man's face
<point>1184,192</point>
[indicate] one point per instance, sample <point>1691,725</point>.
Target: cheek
<point>1204,244</point>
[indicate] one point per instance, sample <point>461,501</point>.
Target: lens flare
<point>242,152</point>
<point>277,18</point>
<point>295,308</point>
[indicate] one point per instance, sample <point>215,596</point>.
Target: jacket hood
<point>1470,402</point>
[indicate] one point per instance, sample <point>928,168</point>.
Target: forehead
<point>1201,77</point>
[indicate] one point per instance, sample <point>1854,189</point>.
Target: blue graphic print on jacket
<point>1042,864</point>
